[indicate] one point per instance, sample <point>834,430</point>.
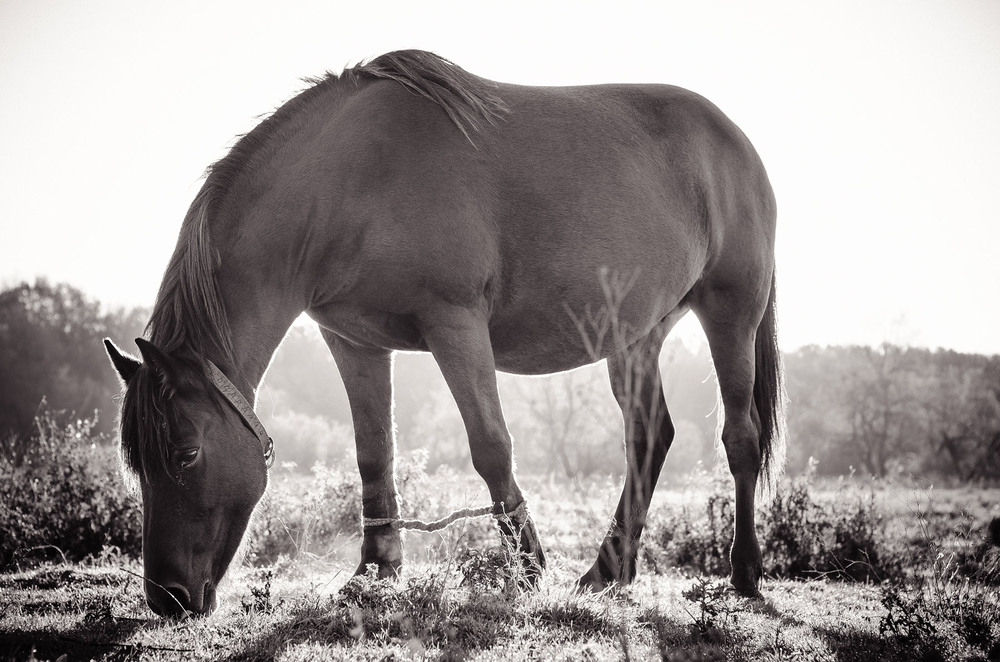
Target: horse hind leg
<point>730,318</point>
<point>367,376</point>
<point>636,383</point>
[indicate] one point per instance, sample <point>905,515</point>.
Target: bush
<point>799,537</point>
<point>61,488</point>
<point>306,515</point>
<point>940,611</point>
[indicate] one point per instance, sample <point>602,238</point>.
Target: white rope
<point>521,512</point>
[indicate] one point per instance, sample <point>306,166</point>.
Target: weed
<point>497,570</point>
<point>800,537</point>
<point>941,605</point>
<point>260,600</point>
<point>718,609</point>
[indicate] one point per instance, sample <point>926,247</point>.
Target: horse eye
<point>186,458</point>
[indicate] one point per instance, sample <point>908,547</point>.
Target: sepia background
<point>877,122</point>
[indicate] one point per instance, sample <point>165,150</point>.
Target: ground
<point>460,599</point>
<point>302,612</point>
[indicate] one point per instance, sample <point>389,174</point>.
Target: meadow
<point>856,570</point>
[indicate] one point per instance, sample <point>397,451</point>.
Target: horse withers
<point>406,204</point>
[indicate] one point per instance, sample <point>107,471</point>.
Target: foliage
<point>941,604</point>
<point>800,537</point>
<point>890,409</point>
<point>495,570</point>
<point>62,489</point>
<point>50,347</point>
<point>464,602</point>
<point>304,439</point>
<point>306,517</point>
<point>718,608</point>
<point>884,411</point>
<point>691,537</point>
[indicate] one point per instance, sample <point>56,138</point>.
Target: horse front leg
<point>367,375</point>
<point>460,342</point>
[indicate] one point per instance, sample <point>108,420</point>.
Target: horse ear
<point>125,364</point>
<point>156,358</point>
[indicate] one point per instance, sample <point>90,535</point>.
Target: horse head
<point>200,471</point>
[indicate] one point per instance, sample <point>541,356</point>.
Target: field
<point>857,571</point>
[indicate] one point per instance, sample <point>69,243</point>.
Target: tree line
<point>873,410</point>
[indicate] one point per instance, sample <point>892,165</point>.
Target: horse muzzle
<point>171,599</point>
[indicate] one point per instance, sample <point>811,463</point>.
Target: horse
<point>406,204</point>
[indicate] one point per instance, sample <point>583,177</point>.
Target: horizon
<point>876,122</point>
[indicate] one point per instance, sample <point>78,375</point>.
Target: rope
<point>437,525</point>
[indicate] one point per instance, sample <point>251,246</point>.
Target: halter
<point>243,408</point>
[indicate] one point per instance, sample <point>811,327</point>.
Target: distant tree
<point>817,424</point>
<point>50,346</point>
<point>878,391</point>
<point>566,423</point>
<point>960,402</point>
<point>303,378</point>
<point>439,429</point>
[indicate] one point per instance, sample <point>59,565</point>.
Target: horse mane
<point>148,423</point>
<point>467,99</point>
<point>188,312</point>
<point>189,319</point>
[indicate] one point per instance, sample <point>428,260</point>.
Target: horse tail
<point>769,394</point>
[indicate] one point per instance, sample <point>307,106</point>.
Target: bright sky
<point>879,123</point>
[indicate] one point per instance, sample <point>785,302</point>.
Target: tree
<point>566,423</point>
<point>878,396</point>
<point>960,403</point>
<point>50,347</point>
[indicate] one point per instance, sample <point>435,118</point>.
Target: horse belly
<point>563,328</point>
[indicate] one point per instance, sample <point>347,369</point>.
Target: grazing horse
<point>407,204</point>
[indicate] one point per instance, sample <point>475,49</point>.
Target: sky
<point>878,122</point>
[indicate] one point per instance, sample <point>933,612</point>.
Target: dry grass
<point>299,609</point>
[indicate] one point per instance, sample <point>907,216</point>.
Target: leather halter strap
<point>243,408</point>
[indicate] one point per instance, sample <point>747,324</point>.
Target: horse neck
<point>258,321</point>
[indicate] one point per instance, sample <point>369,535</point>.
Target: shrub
<point>61,488</point>
<point>306,515</point>
<point>799,537</point>
<point>803,538</point>
<point>940,611</point>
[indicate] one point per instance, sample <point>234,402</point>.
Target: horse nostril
<point>208,602</point>
<point>178,598</point>
<point>167,600</point>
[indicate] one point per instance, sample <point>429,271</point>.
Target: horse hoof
<point>379,570</point>
<point>747,591</point>
<point>593,582</point>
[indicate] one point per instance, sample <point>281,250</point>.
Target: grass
<point>882,570</point>
<point>456,600</point>
<point>89,613</point>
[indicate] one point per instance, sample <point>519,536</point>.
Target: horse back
<point>521,219</point>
